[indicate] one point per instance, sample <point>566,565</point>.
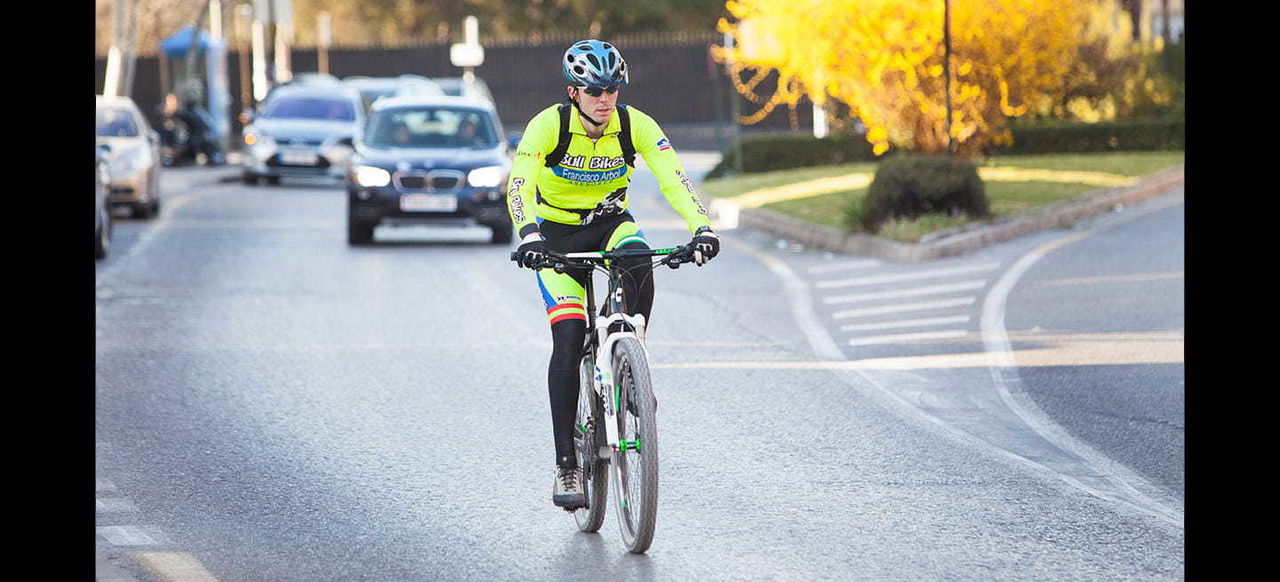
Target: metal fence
<point>673,78</point>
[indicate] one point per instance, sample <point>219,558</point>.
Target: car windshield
<point>430,127</point>
<point>114,122</point>
<point>310,108</point>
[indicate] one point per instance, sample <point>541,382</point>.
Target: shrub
<point>763,153</point>
<point>908,186</point>
<point>1128,135</point>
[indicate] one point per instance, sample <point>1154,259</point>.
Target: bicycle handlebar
<point>672,257</point>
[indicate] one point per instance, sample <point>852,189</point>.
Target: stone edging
<point>967,238</point>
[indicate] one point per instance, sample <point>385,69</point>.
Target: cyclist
<point>568,193</point>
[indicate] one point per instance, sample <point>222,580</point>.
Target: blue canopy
<point>176,45</point>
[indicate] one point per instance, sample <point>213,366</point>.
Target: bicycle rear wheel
<point>635,466</point>
<point>588,437</point>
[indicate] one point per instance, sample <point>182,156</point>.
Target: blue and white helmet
<point>592,63</point>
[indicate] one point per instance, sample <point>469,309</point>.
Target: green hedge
<point>907,186</point>
<point>1115,136</point>
<point>764,153</point>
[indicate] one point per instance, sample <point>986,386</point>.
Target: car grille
<point>437,181</point>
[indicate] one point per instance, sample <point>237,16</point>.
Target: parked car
<point>460,87</point>
<point>373,88</point>
<point>303,130</point>
<point>101,204</point>
<point>432,160</point>
<point>133,154</point>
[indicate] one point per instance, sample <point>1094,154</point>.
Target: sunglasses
<point>598,91</point>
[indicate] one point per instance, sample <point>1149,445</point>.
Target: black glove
<point>532,250</point>
<point>706,245</point>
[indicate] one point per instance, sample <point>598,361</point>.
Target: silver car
<point>459,86</point>
<point>302,131</point>
<point>101,205</point>
<point>373,88</point>
<point>133,155</point>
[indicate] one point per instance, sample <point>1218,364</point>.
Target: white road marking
<point>844,265</point>
<point>1142,277</point>
<point>908,337</point>
<point>914,275</point>
<point>126,535</point>
<point>970,285</point>
<point>174,566</point>
<point>114,505</point>
<point>924,322</point>
<point>904,307</point>
<point>1004,373</point>
<point>797,290</point>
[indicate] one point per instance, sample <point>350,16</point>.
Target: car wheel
<point>501,234</point>
<point>102,238</point>
<point>249,178</point>
<point>359,233</point>
<point>141,210</point>
<point>273,180</point>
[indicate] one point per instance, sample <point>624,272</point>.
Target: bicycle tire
<point>587,443</point>
<point>635,469</point>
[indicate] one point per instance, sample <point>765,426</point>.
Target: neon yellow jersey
<point>592,170</point>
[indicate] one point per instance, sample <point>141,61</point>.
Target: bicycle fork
<point>606,386</point>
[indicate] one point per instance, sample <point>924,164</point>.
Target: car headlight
<point>486,177</point>
<point>257,138</point>
<point>372,177</point>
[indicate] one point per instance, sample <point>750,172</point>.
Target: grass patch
<point>910,231</point>
<point>1005,197</point>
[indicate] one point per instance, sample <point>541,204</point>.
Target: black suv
<point>432,160</point>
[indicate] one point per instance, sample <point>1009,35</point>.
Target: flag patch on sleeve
<point>664,144</point>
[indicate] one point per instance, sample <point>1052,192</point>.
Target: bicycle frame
<point>601,340</point>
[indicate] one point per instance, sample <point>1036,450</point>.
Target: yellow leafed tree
<point>884,59</point>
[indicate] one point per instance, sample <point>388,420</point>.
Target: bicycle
<point>610,437</point>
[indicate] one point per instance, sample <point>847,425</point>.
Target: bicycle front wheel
<point>588,437</point>
<point>635,466</point>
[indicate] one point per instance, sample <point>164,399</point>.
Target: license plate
<point>428,203</point>
<point>298,158</point>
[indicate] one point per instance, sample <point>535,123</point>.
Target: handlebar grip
<point>515,256</point>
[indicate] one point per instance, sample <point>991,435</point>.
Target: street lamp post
<point>946,69</point>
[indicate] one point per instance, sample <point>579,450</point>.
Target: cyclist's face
<point>599,108</point>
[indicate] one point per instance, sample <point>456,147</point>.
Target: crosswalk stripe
<point>970,285</point>
<point>903,307</point>
<point>909,276</point>
<point>908,337</point>
<point>861,264</point>
<point>126,535</point>
<point>925,322</point>
<point>114,505</point>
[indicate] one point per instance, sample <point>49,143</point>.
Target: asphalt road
<point>272,404</point>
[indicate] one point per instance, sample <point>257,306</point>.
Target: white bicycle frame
<point>603,380</point>
<point>605,387</point>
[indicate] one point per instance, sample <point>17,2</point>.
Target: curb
<point>950,242</point>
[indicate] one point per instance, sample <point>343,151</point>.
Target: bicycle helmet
<point>592,63</point>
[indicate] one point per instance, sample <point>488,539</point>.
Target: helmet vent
<point>606,45</point>
<point>594,61</point>
<point>579,70</point>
